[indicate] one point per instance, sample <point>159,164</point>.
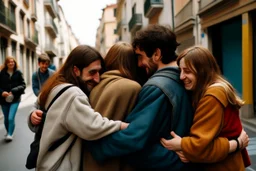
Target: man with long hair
<point>71,113</point>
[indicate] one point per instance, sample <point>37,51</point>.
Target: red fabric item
<point>232,129</point>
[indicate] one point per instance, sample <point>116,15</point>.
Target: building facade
<point>226,27</point>
<point>106,32</point>
<point>229,26</point>
<point>30,27</point>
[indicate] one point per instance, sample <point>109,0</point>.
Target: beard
<point>152,67</point>
<point>83,85</point>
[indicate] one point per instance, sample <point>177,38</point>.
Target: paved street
<point>13,155</point>
<point>252,150</point>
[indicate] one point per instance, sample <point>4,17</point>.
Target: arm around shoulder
<point>83,121</point>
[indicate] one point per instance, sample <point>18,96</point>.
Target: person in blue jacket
<point>42,74</point>
<point>163,105</point>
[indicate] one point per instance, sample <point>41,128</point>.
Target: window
<point>3,48</point>
<point>114,12</point>
<point>21,58</point>
<point>12,17</point>
<point>28,29</point>
<point>21,23</point>
<point>14,49</point>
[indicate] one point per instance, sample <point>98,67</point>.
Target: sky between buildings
<point>83,16</point>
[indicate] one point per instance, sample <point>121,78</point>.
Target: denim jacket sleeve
<point>35,84</point>
<point>145,120</point>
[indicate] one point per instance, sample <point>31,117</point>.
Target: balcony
<point>152,7</point>
<point>49,4</point>
<point>185,19</point>
<point>33,14</point>
<point>7,23</point>
<point>32,41</point>
<point>51,27</point>
<point>206,6</point>
<point>29,42</point>
<point>50,49</point>
<point>135,23</point>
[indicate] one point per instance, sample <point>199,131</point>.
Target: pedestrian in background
<point>71,113</point>
<point>42,74</point>
<point>115,96</point>
<point>12,86</point>
<point>216,118</point>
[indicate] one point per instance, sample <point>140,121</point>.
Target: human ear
<point>76,71</point>
<point>157,55</point>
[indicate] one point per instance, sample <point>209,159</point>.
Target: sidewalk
<point>26,99</point>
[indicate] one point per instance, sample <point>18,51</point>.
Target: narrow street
<point>252,150</point>
<point>13,155</point>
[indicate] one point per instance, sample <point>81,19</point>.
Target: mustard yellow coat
<point>203,145</point>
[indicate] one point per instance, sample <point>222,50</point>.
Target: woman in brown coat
<point>114,97</point>
<point>214,136</point>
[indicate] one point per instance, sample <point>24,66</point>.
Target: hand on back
<point>124,125</point>
<point>243,139</point>
<point>172,144</point>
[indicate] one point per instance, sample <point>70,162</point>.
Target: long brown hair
<point>121,57</point>
<point>7,59</point>
<point>204,66</point>
<point>81,57</point>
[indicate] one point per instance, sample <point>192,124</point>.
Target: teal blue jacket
<point>39,78</point>
<point>163,105</point>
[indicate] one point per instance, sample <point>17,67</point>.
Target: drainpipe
<point>172,14</point>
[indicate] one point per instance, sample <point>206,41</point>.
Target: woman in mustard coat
<point>214,137</point>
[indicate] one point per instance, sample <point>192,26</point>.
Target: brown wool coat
<point>114,97</point>
<point>203,146</point>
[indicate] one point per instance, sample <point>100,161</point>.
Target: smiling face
<point>43,65</point>
<point>11,64</point>
<point>145,62</point>
<point>187,76</point>
<point>90,75</point>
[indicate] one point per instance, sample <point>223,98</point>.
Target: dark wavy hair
<point>157,36</point>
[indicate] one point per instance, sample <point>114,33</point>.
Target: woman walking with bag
<point>12,86</point>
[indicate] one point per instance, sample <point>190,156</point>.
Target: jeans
<point>9,111</point>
